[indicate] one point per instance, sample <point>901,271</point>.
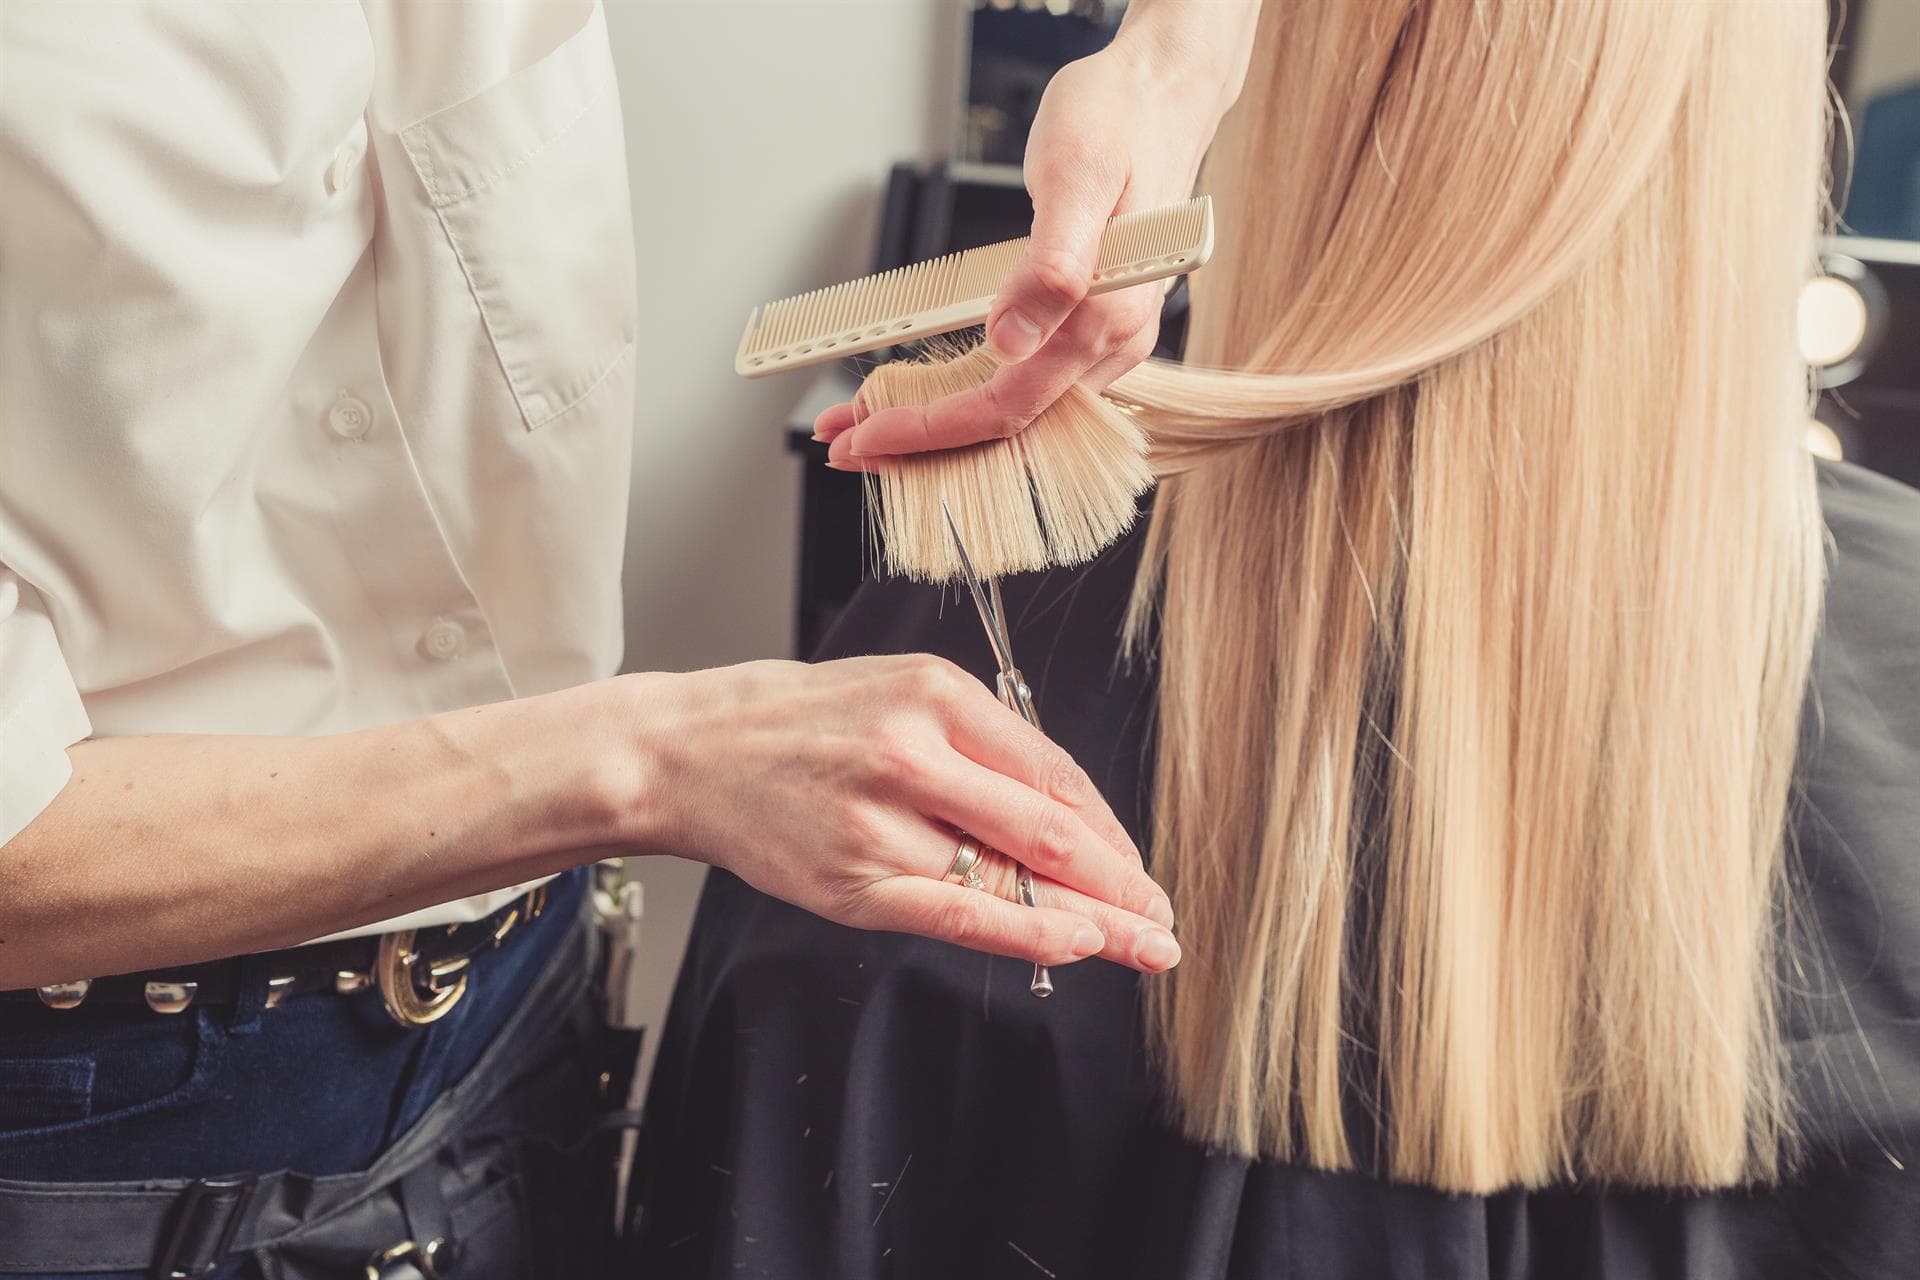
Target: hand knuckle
<point>1051,843</point>
<point>1057,278</point>
<point>1084,338</point>
<point>863,825</point>
<point>895,731</point>
<point>1064,780</point>
<point>1112,325</point>
<point>902,758</point>
<point>928,678</point>
<point>1002,417</point>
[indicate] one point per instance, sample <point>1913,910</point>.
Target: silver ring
<point>966,864</point>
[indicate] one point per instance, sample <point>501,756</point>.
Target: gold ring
<point>965,870</point>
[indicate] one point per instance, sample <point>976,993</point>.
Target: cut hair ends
<point>1483,582</point>
<point>1055,494</point>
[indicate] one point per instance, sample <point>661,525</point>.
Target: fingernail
<point>838,465</point>
<point>1087,941</point>
<point>1014,337</point>
<point>1161,912</point>
<point>1158,951</point>
<point>824,428</point>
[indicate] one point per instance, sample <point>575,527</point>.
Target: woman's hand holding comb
<point>841,787</point>
<point>1122,130</point>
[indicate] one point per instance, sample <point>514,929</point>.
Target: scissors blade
<point>990,616</point>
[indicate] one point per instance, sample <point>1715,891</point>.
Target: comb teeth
<point>956,291</point>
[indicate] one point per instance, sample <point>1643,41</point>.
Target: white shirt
<point>316,368</point>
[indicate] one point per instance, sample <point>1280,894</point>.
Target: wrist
<point>561,772</point>
<point>623,758</point>
<point>1194,48</point>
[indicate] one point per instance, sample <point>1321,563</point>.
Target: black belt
<point>420,975</point>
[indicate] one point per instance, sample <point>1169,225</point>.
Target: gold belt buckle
<point>414,998</point>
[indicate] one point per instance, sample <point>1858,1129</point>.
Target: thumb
<point>1070,212</point>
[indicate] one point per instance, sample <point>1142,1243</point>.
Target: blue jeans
<point>322,1084</point>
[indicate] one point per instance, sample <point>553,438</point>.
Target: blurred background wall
<point>759,133</point>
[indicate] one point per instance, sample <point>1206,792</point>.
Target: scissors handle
<point>1018,698</point>
<point>1042,982</point>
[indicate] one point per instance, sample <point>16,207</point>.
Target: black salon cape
<point>832,1103</point>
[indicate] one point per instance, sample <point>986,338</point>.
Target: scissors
<point>1013,691</point>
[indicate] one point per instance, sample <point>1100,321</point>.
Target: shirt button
<point>350,417</point>
<point>346,159</point>
<point>444,641</point>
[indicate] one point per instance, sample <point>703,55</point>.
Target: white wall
<point>759,133</point>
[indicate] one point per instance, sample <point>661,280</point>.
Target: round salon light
<point>1823,441</point>
<point>1833,321</point>
<point>1842,315</point>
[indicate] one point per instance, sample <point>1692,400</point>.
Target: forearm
<point>175,849</point>
<point>837,787</point>
<point>1202,42</point>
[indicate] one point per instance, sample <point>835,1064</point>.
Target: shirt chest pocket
<point>528,180</point>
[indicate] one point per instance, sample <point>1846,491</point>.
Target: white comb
<point>956,291</point>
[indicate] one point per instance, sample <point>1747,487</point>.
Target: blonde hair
<point>1483,583</point>
<point>1054,494</point>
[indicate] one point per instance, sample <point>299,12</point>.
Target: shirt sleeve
<point>40,710</point>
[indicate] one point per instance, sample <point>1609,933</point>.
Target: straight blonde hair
<point>1483,582</point>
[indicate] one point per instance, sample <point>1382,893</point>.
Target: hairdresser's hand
<point>839,787</point>
<point>1122,130</point>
